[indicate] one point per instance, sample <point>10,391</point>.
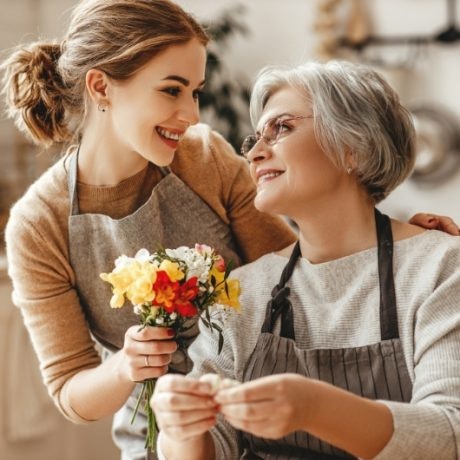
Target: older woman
<point>348,341</point>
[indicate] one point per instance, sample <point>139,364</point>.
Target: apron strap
<point>388,313</point>
<point>280,303</point>
<point>165,170</point>
<point>72,183</point>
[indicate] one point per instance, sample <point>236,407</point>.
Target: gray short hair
<point>355,110</point>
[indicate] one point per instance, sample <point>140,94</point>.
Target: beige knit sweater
<point>38,256</point>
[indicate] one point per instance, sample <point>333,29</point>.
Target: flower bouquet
<point>169,288</point>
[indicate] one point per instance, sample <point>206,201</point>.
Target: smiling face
<point>293,176</point>
<point>151,111</point>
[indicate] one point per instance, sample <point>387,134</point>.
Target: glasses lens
<point>271,131</point>
<point>248,144</point>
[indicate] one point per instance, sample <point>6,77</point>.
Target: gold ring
<point>146,359</point>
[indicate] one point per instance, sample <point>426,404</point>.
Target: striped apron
<point>376,371</point>
<point>173,216</point>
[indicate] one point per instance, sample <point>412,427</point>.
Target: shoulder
<point>428,260</point>
<point>431,245</point>
<point>42,208</point>
<point>203,146</point>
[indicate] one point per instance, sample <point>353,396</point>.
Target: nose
<point>261,151</point>
<point>189,112</point>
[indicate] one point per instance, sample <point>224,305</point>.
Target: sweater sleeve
<point>43,289</point>
<point>206,359</point>
<point>429,427</point>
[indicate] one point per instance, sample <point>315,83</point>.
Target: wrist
<point>199,447</point>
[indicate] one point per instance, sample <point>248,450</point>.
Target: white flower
<point>122,262</point>
<point>159,320</point>
<point>137,309</point>
<point>143,255</point>
<point>198,263</point>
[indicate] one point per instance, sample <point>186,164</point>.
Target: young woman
<point>348,341</point>
<point>123,86</point>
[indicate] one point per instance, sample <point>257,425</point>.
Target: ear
<point>350,160</point>
<point>96,85</point>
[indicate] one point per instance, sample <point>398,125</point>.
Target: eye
<point>172,91</point>
<point>282,126</point>
<point>197,94</point>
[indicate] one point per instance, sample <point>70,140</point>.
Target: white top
<point>336,304</point>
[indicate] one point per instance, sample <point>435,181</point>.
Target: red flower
<point>166,291</point>
<point>186,309</point>
<point>189,290</point>
<point>187,293</point>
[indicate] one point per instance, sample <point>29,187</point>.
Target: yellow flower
<point>172,269</point>
<point>141,290</point>
<point>119,280</point>
<point>218,275</point>
<point>117,300</point>
<point>232,299</point>
<point>133,281</point>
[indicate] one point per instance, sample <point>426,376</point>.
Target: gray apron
<point>173,216</point>
<point>376,371</point>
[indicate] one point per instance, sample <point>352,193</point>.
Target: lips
<point>170,137</point>
<point>266,175</point>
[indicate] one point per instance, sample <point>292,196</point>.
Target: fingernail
<point>171,333</point>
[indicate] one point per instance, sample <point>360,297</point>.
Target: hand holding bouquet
<point>168,288</point>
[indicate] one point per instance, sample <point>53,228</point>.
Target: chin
<point>267,206</point>
<point>163,160</point>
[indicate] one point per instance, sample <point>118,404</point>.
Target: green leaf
<point>229,268</point>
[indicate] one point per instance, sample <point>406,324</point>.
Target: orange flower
<point>166,291</point>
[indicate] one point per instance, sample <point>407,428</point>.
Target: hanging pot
<point>437,145</point>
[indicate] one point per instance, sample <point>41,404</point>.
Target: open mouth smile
<point>169,136</point>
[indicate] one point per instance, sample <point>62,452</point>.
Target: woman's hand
<point>146,353</point>
<point>269,407</point>
<point>184,407</point>
<point>431,221</point>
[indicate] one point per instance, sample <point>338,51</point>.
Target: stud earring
<point>349,170</point>
<point>101,108</point>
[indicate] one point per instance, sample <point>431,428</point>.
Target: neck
<point>332,232</point>
<point>102,159</point>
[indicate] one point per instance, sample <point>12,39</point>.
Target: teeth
<point>267,176</point>
<point>168,134</point>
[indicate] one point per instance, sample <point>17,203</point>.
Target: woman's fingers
<point>184,432</point>
<point>446,224</point>
<point>184,418</point>
<point>254,411</point>
<point>431,221</point>
<point>180,384</point>
<point>184,407</point>
<point>147,352</point>
<point>262,389</point>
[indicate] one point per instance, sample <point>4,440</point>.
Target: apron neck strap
<point>72,183</point>
<point>388,312</point>
<point>280,303</point>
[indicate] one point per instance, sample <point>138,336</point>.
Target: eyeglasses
<point>271,132</point>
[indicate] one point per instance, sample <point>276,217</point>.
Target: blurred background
<point>414,43</point>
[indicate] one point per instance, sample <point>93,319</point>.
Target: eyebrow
<point>283,114</point>
<point>182,80</point>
